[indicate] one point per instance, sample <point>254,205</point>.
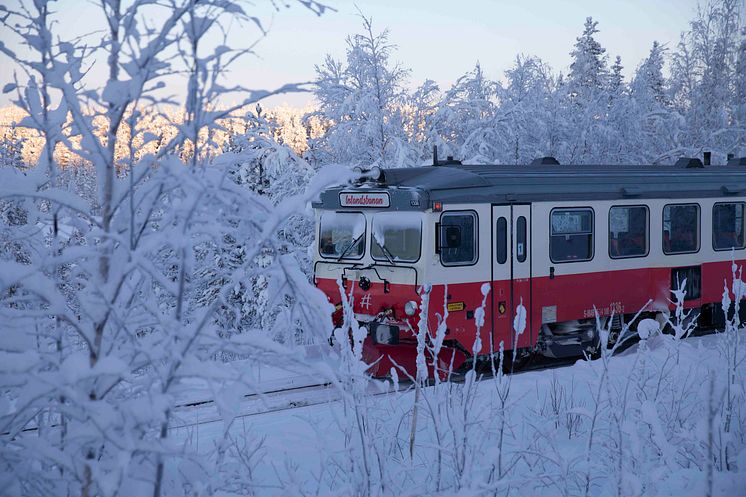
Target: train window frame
<point>521,257</point>
<point>475,258</point>
<point>743,206</point>
<point>647,231</point>
<point>384,259</point>
<point>503,241</point>
<point>593,233</point>
<point>699,228</point>
<point>364,239</point>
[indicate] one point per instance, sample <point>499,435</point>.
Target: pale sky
<point>436,39</point>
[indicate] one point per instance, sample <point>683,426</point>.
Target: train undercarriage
<point>575,339</point>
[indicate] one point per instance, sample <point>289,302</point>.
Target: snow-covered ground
<point>642,427</point>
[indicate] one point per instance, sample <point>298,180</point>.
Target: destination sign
<point>350,199</point>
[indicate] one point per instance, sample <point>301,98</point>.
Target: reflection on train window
<point>502,240</point>
<point>396,236</point>
<point>680,228</point>
<point>727,226</point>
<point>520,243</point>
<point>342,235</point>
<point>572,235</point>
<point>628,231</point>
<point>458,238</point>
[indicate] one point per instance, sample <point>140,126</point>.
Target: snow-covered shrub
<point>256,160</point>
<point>100,326</point>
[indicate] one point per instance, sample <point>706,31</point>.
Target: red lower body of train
<point>550,303</point>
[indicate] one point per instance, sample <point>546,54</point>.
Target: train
<point>524,258</point>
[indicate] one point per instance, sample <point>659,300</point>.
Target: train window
<point>396,236</point>
<point>342,235</point>
<point>680,228</point>
<point>458,238</point>
<point>571,235</point>
<point>502,240</point>
<point>728,226</point>
<point>520,244</point>
<point>628,231</point>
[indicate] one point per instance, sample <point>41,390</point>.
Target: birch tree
<point>464,125</point>
<point>362,99</point>
<point>703,74</point>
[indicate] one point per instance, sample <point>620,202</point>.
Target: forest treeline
<point>681,100</point>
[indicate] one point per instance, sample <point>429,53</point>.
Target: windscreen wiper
<point>389,256</point>
<point>349,247</point>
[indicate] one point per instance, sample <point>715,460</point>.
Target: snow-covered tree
<point>464,124</point>
<point>617,133</point>
<point>739,102</point>
<point>588,71</point>
<point>361,99</point>
<point>526,108</point>
<point>655,124</point>
<point>12,212</point>
<point>272,170</point>
<point>616,79</point>
<point>11,148</point>
<point>703,78</point>
<point>649,82</point>
<point>587,89</point>
<point>421,106</point>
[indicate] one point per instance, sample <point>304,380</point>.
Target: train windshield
<point>397,236</point>
<point>342,235</point>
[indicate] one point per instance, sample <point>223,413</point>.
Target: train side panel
<point>576,290</point>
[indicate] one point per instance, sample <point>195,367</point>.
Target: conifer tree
<point>587,84</point>
<point>588,70</point>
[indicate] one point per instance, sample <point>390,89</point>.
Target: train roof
<point>456,183</point>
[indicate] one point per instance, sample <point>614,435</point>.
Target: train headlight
<point>410,308</point>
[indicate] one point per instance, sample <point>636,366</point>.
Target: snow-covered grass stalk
<point>606,354</point>
<point>501,383</point>
<point>449,406</point>
<point>421,362</point>
<point>683,322</point>
<point>355,423</point>
<point>461,415</point>
<point>729,346</point>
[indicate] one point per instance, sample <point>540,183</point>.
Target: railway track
<point>206,411</point>
<point>294,398</point>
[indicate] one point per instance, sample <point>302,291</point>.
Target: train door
<point>521,260</point>
<point>511,274</point>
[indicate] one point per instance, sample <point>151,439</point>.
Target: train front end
<point>369,253</point>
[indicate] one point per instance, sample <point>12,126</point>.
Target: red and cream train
<point>558,241</point>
